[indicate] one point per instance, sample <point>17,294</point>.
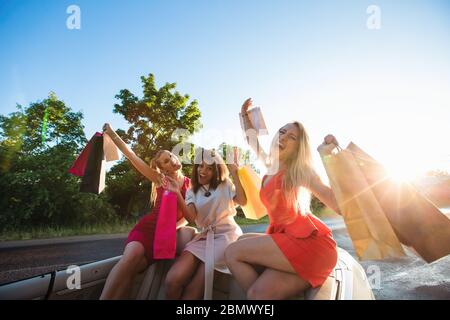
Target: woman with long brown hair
<point>210,204</point>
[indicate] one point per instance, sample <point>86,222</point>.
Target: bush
<point>38,191</point>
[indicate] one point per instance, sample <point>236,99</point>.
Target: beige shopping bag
<point>415,220</point>
<point>370,231</point>
<point>110,149</point>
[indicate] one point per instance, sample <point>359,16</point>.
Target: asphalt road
<point>24,262</point>
<point>406,278</point>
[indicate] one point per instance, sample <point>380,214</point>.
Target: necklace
<point>207,192</point>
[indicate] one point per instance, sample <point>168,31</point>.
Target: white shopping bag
<point>257,120</point>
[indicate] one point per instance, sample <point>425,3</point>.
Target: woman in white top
<point>210,204</point>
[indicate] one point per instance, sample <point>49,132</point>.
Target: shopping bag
<point>370,231</point>
<point>110,149</point>
<point>79,165</point>
<point>257,121</point>
<point>416,220</point>
<point>93,180</point>
<point>251,183</point>
<point>165,241</point>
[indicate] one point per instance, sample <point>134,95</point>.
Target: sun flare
<point>403,171</point>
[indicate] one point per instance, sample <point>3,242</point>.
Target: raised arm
<point>323,192</point>
<point>251,134</point>
<point>140,165</point>
<point>240,198</point>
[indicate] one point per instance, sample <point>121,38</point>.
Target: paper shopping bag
<point>369,229</point>
<point>416,221</point>
<point>257,121</point>
<point>165,241</point>
<point>93,180</point>
<point>110,149</point>
<point>251,183</point>
<point>79,165</point>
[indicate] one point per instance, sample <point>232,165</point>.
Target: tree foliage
<point>160,119</point>
<point>37,189</point>
<point>156,116</point>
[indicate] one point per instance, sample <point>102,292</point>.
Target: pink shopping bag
<point>165,242</point>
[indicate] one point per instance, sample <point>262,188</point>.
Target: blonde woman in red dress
<point>298,250</point>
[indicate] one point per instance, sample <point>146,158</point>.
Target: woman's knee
<point>232,253</point>
<point>173,279</point>
<point>256,292</point>
<point>133,255</point>
<point>184,235</point>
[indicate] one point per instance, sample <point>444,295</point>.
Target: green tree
<point>37,189</point>
<point>244,156</point>
<point>12,129</point>
<point>128,194</point>
<point>316,205</point>
<point>154,119</point>
<point>156,116</point>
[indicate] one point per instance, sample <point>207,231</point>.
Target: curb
<point>66,240</point>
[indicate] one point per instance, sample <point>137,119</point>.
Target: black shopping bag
<point>93,180</point>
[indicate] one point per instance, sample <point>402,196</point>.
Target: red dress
<point>305,240</point>
<point>144,230</point>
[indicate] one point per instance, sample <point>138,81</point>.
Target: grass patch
<point>57,232</point>
<point>242,221</point>
<point>326,213</point>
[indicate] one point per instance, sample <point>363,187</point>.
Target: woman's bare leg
<point>120,279</point>
<point>180,274</point>
<point>196,287</point>
<point>242,255</point>
<point>288,285</point>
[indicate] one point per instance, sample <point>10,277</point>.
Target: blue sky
<point>317,62</point>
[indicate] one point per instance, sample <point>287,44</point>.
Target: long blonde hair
<point>299,173</point>
<point>154,165</point>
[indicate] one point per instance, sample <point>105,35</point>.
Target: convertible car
<point>348,281</point>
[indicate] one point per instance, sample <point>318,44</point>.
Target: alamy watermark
<point>73,21</point>
<point>374,276</point>
<point>183,148</point>
<point>374,20</point>
<point>74,280</point>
